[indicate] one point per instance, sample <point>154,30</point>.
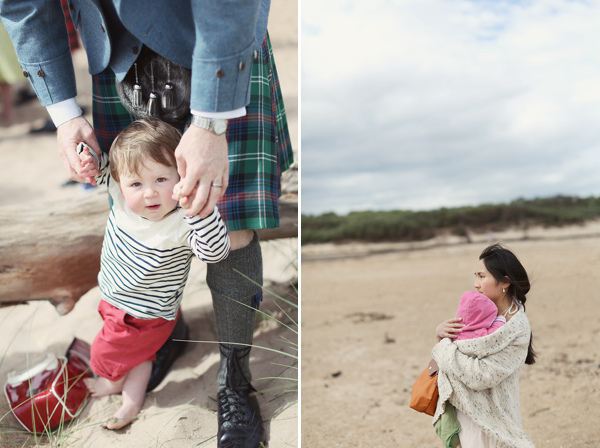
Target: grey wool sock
<point>234,321</point>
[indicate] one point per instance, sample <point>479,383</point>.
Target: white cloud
<point>419,104</point>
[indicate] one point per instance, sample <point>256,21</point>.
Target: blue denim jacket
<point>216,39</point>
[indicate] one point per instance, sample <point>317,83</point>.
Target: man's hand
<point>449,328</point>
<point>69,134</point>
<point>201,162</point>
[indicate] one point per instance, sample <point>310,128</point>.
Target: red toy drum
<point>52,392</point>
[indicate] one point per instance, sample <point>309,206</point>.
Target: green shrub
<point>405,225</point>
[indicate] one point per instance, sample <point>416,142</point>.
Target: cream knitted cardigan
<point>480,377</point>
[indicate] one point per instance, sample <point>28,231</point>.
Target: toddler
<point>146,256</point>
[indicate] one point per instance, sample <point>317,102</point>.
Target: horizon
<point>455,206</point>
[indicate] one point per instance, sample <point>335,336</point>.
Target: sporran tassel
<point>137,91</point>
<point>153,101</point>
<point>137,96</point>
<point>153,105</point>
<point>168,96</point>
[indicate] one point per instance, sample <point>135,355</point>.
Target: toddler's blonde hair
<point>143,139</point>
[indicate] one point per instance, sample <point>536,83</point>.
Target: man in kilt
<point>234,147</point>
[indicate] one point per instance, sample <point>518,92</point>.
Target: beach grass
<point>65,434</point>
<point>276,398</point>
<point>286,375</point>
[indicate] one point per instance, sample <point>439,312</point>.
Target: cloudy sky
<point>421,104</point>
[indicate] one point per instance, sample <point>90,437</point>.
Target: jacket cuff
<point>54,80</point>
<point>222,85</point>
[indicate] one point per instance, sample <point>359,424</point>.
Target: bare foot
<point>134,392</point>
<point>126,414</point>
<point>99,387</point>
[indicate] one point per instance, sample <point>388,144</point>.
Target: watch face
<point>220,126</point>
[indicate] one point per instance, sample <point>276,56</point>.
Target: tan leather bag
<point>424,396</point>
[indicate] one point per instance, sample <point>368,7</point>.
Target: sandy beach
<point>368,326</point>
<point>181,412</point>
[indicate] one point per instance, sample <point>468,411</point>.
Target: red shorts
<point>126,341</point>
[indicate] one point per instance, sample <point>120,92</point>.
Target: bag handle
<point>433,368</point>
<point>50,363</point>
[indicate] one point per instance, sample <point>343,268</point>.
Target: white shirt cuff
<point>63,111</point>
<point>241,112</point>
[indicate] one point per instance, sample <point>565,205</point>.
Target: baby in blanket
<point>480,318</point>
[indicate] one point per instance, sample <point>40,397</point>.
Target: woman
<point>480,377</point>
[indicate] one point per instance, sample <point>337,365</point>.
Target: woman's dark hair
<point>505,267</point>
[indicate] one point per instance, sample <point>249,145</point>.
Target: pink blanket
<point>478,313</point>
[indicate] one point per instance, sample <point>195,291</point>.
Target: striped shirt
<point>145,264</point>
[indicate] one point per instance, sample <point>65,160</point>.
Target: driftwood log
<point>53,252</point>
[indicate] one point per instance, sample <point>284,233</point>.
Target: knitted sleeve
<point>480,372</point>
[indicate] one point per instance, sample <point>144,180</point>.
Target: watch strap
<point>215,125</point>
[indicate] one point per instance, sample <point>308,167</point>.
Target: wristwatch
<point>215,125</point>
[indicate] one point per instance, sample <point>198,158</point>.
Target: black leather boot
<point>168,353</point>
<point>240,422</point>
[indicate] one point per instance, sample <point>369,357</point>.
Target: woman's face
<point>487,285</point>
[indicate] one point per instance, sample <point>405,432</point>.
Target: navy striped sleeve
<point>208,237</point>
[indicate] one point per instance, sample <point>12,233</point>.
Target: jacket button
<point>220,73</point>
<point>26,74</point>
<point>135,50</point>
<point>242,66</point>
<point>71,6</point>
<point>41,73</point>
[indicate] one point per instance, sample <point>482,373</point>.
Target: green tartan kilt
<point>259,143</point>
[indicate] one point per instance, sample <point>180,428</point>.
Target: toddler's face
<point>149,192</point>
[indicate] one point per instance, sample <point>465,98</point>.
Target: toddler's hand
<point>87,161</point>
<point>177,191</point>
<point>89,164</point>
<point>177,195</point>
<point>449,328</point>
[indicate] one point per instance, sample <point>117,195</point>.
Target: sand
<point>368,326</point>
<point>181,412</point>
